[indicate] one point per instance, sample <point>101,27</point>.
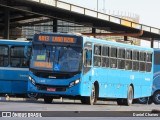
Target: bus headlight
<point>77,81</point>
<point>74,83</point>
<point>32,80</point>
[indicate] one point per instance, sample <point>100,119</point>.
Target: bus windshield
<point>57,58</point>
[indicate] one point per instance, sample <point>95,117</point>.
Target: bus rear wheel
<point>92,99</point>
<point>48,99</point>
<point>156,97</point>
<point>129,99</point>
<point>144,100</point>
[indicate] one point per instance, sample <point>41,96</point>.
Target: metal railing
<point>99,15</point>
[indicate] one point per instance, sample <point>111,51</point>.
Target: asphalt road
<point>73,109</point>
<point>70,105</point>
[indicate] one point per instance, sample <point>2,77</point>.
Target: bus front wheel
<point>91,99</point>
<point>33,95</point>
<point>156,97</point>
<point>48,99</point>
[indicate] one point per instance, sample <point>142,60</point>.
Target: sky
<point>147,10</point>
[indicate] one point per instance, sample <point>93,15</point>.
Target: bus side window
<point>157,58</point>
<point>97,55</point>
<point>121,58</point>
<point>105,56</point>
<point>4,55</point>
<point>135,59</point>
<point>142,61</point>
<point>27,52</point>
<point>26,61</point>
<point>128,64</point>
<point>148,62</point>
<point>17,57</point>
<point>88,57</point>
<point>113,57</point>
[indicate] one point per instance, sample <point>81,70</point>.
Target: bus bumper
<point>67,88</point>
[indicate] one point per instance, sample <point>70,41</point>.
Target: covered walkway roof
<point>14,13</point>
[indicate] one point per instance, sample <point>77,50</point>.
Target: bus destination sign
<point>57,39</point>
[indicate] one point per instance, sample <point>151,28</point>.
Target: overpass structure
<point>15,13</point>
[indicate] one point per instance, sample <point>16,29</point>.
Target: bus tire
<point>33,95</point>
<point>156,97</point>
<point>144,100</point>
<point>129,99</point>
<point>91,99</point>
<point>48,99</point>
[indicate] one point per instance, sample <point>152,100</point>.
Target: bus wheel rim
<point>157,98</point>
<point>142,99</point>
<point>93,95</point>
<point>130,98</point>
<point>32,95</point>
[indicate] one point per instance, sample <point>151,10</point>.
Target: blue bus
<point>156,82</point>
<point>89,69</point>
<point>14,67</point>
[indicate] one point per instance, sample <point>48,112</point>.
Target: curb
<point>40,99</point>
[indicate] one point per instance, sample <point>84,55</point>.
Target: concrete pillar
<point>7,24</point>
<point>152,42</point>
<point>125,38</point>
<point>55,25</point>
<point>94,31</point>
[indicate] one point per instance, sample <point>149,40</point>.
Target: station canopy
<point>19,12</point>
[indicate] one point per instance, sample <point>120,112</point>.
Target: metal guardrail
<point>99,15</point>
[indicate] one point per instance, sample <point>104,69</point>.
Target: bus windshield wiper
<point>48,54</point>
<point>58,56</point>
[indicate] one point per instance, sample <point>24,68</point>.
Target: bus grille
<point>56,88</point>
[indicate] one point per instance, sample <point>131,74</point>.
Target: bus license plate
<point>51,89</point>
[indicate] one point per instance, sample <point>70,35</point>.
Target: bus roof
<point>116,44</point>
<point>14,42</point>
<point>98,41</point>
<point>58,33</point>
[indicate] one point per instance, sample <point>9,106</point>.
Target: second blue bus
<point>155,98</point>
<point>14,67</point>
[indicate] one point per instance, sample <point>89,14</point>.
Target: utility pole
<point>104,3</point>
<point>97,5</point>
<point>104,9</point>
